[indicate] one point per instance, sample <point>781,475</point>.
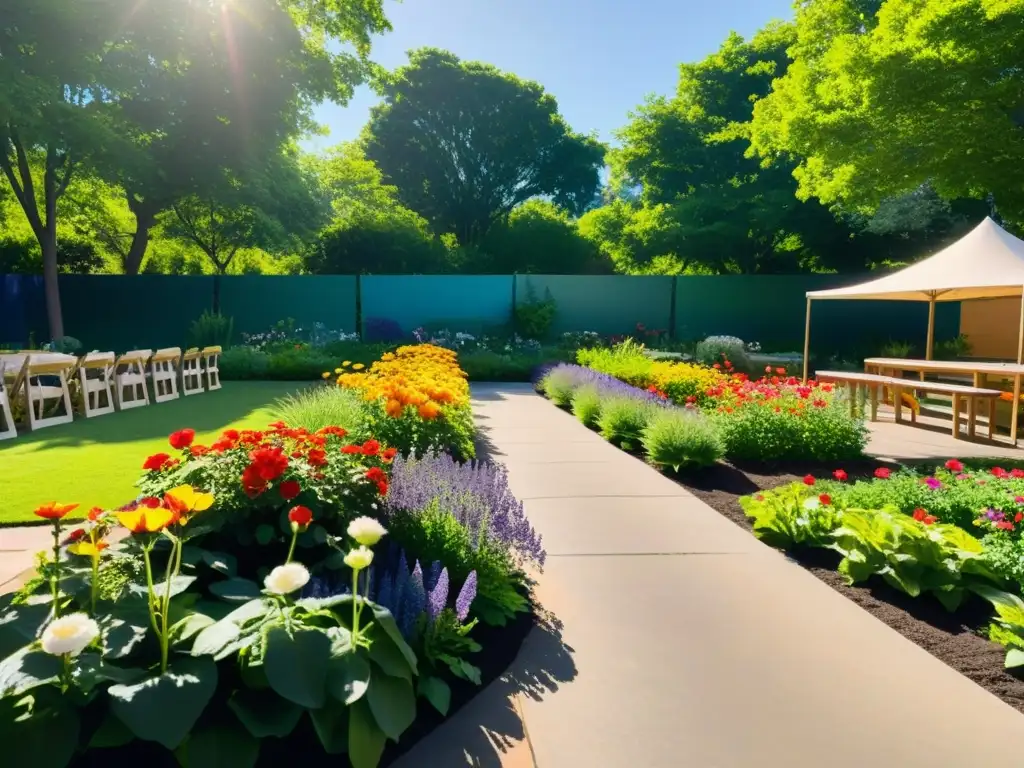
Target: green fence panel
<point>462,302</point>
<point>608,304</point>
<point>118,312</point>
<point>256,302</point>
<point>771,309</point>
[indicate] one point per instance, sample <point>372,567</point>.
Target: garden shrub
<point>559,384</point>
<point>682,382</point>
<point>717,349</point>
<point>535,316</point>
<point>320,407</point>
<point>586,404</point>
<point>485,365</point>
<point>243,363</point>
<point>791,516</point>
<point>623,420</point>
<point>678,438</point>
<point>211,329</point>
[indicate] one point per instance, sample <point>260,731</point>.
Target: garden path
<point>677,639</point>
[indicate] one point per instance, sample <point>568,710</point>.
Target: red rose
<point>371,448</point>
<point>156,462</point>
<point>882,473</point>
<point>289,489</point>
<point>199,450</point>
<point>825,499</point>
<point>840,475</point>
<point>316,457</point>
<point>954,465</point>
<point>809,480</point>
<point>351,449</point>
<point>375,474</point>
<point>300,516</point>
<point>182,439</point>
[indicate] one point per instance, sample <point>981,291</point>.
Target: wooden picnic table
<point>978,371</point>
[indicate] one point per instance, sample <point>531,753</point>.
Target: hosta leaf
<point>236,590</point>
<point>296,665</point>
<point>365,739</point>
<point>19,625</point>
<point>27,669</point>
<point>46,739</point>
<point>437,692</point>
<point>164,708</point>
<point>348,677</point>
<point>221,746</point>
<point>218,640</point>
<point>392,703</point>
<point>386,621</point>
<point>331,724</point>
<point>178,585</point>
<point>264,713</point>
<point>1014,658</point>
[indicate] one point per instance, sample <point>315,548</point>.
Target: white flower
<point>366,531</point>
<point>286,578</point>
<point>69,634</point>
<point>358,559</point>
<point>812,503</point>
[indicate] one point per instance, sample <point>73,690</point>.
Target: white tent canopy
<point>987,262</point>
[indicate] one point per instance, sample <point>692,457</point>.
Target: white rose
<point>286,578</point>
<point>366,531</point>
<point>358,559</point>
<point>69,634</point>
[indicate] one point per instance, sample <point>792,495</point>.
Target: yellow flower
<point>358,367</point>
<point>87,548</point>
<point>325,375</point>
<point>146,520</point>
<point>337,370</point>
<point>346,363</point>
<point>185,499</point>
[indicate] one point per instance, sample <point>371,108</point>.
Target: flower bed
<point>283,592</point>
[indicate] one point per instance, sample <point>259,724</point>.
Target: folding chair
<point>38,392</point>
<point>97,391</point>
<point>7,427</point>
<point>191,373</point>
<point>130,388</point>
<point>163,369</point>
<point>211,362</point>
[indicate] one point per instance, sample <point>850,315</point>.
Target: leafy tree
<point>540,238</point>
<point>465,143</point>
<point>376,245</point>
<point>885,97</point>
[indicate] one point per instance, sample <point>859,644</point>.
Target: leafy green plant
<point>558,386</point>
<point>893,348</point>
<point>534,316</point>
<point>718,349</point>
<point>623,420</point>
<point>1008,628</point>
<point>211,329</point>
<point>323,406</point>
<point>677,438</point>
<point>791,516</point>
<point>952,349</point>
<point>244,363</point>
<point>586,405</point>
<point>1004,555</point>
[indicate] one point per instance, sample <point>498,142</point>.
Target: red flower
<point>199,450</point>
<point>882,473</point>
<point>375,474</point>
<point>278,425</point>
<point>389,455</point>
<point>780,371</point>
<point>300,516</point>
<point>289,489</point>
<point>1018,517</point>
<point>382,488</point>
<point>150,502</point>
<point>825,499</point>
<point>999,472</point>
<point>717,367</point>
<point>922,516</point>
<point>332,430</point>
<point>54,511</point>
<point>316,457</point>
<point>94,514</point>
<point>954,465</point>
<point>1017,473</point>
<point>819,403</point>
<point>270,463</point>
<point>182,439</point>
<point>767,369</point>
<point>809,480</point>
<point>252,483</point>
<point>691,399</point>
<point>156,462</point>
<point>76,534</point>
<point>371,448</point>
<point>1004,525</point>
<point>840,475</point>
<point>351,449</point>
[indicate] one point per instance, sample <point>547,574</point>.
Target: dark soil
<point>954,638</point>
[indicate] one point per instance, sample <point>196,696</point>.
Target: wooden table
<point>978,371</point>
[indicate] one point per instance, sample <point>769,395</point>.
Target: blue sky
<point>599,58</point>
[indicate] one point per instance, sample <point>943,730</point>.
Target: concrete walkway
<point>677,639</point>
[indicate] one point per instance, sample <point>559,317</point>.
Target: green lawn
<point>96,462</point>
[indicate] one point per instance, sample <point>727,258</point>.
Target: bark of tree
<point>145,218</point>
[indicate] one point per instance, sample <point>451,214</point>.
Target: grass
<point>96,462</point>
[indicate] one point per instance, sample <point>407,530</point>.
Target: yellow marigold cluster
<point>421,376</point>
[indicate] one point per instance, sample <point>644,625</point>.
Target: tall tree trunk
<point>54,315</point>
<point>216,292</point>
<point>145,218</point>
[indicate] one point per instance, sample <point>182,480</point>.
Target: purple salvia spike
<point>414,602</point>
<point>466,597</point>
<point>431,577</point>
<point>438,596</point>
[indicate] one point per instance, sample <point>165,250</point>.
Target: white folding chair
<point>98,390</point>
<point>211,362</point>
<point>40,393</point>
<point>163,369</point>
<point>7,427</point>
<point>191,373</point>
<point>130,389</point>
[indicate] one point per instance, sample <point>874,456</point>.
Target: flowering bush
<point>715,349</point>
<point>419,400</point>
<point>682,382</point>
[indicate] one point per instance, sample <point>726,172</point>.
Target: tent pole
<point>931,328</point>
<point>1015,407</point>
<point>807,338</point>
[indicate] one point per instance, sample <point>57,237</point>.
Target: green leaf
<point>389,659</point>
<point>265,534</point>
<point>221,746</point>
<point>122,633</point>
<point>348,677</point>
<point>221,562</point>
<point>111,733</point>
<point>20,625</point>
<point>89,670</point>
<point>45,739</point>
<point>236,590</point>
<point>164,708</point>
<point>331,724</point>
<point>217,640</point>
<point>386,621</point>
<point>1014,658</point>
<point>365,739</point>
<point>190,626</point>
<point>27,669</point>
<point>178,585</point>
<point>392,703</point>
<point>264,713</point>
<point>437,692</point>
<point>296,665</point>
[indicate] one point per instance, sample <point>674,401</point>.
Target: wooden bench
<point>958,392</point>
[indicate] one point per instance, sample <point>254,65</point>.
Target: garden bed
<point>954,638</point>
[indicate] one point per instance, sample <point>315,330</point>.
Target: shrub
<point>239,363</point>
<point>485,365</point>
<point>320,407</point>
<point>534,317</point>
<point>682,382</point>
<point>792,515</point>
<point>893,348</point>
<point>559,384</point>
<point>715,349</point>
<point>623,419</point>
<point>586,404</point>
<point>677,438</point>
<point>211,329</point>
<point>298,364</point>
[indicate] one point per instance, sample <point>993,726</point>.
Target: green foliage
<point>953,349</point>
<point>241,363</point>
<point>791,516</point>
<point>211,329</point>
<point>540,238</point>
<point>896,349</point>
<point>486,365</point>
<point>623,420</point>
<point>558,387</point>
<point>719,349</point>
<point>325,406</point>
<point>1004,556</point>
<point>586,405</point>
<point>508,144</point>
<point>1008,629</point>
<point>678,438</point>
<point>535,316</point>
<point>628,362</point>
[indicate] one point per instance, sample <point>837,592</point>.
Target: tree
<point>885,97</point>
<point>376,245</point>
<point>465,143</point>
<point>540,238</point>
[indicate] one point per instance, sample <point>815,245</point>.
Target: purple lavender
<point>476,494</point>
<point>572,377</point>
<point>437,600</point>
<point>466,597</point>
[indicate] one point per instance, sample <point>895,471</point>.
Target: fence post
<point>672,308</point>
<point>515,298</point>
